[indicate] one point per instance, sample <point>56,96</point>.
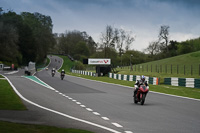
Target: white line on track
<point>89,109</point>
<point>59,113</point>
<point>83,106</point>
<point>95,113</point>
<point>128,132</point>
<point>105,118</point>
<point>117,125</point>
<point>78,103</point>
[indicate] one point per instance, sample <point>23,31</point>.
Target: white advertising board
<point>93,61</point>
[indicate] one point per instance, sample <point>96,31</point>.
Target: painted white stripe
<point>45,83</point>
<point>74,100</point>
<point>56,91</point>
<point>89,109</point>
<point>117,125</point>
<point>105,118</point>
<point>60,93</point>
<point>12,72</point>
<point>37,82</point>
<point>95,113</point>
<point>69,98</point>
<point>78,103</point>
<point>83,106</point>
<point>128,132</point>
<point>2,78</point>
<point>59,113</point>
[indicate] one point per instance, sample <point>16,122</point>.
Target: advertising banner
<point>93,61</point>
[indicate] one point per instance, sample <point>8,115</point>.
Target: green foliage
<point>25,37</point>
<point>79,66</point>
<point>67,64</point>
<point>76,44</point>
<point>82,49</point>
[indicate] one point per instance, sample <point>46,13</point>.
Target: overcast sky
<point>142,17</point>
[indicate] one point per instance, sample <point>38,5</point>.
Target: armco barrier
<point>83,72</point>
<point>150,80</point>
<point>185,82</point>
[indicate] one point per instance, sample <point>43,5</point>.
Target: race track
<point>159,114</point>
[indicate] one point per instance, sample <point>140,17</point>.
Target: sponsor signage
<point>99,61</point>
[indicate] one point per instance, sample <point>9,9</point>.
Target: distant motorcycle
<point>141,95</point>
<point>53,73</point>
<point>62,76</point>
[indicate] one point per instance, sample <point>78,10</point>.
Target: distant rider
<point>53,70</point>
<point>63,72</point>
<point>140,82</point>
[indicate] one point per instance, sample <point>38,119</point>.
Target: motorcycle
<point>62,76</point>
<point>53,73</point>
<point>141,95</point>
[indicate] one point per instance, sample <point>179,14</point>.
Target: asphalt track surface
<point>159,114</point>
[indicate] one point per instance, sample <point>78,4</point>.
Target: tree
<point>108,38</point>
<point>153,48</point>
<point>164,35</point>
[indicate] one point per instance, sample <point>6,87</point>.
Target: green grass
<point>8,127</point>
<point>67,65</point>
<point>1,76</point>
<point>8,99</point>
<point>178,66</point>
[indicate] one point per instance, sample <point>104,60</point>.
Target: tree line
<point>28,37</point>
<point>24,37</point>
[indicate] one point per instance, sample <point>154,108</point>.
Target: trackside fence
<point>150,80</point>
<point>186,82</point>
<point>84,72</point>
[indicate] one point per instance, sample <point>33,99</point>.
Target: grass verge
<point>8,127</point>
<point>67,64</point>
<point>8,99</point>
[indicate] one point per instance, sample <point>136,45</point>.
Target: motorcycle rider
<point>140,82</point>
<point>53,70</point>
<point>63,72</point>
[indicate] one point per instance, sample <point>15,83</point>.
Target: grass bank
<point>8,98</point>
<point>8,127</point>
<point>182,66</point>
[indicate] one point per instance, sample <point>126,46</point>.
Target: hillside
<point>186,65</point>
